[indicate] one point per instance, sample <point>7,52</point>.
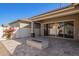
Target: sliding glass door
<point>60,29</point>
<point>69,29</point>
<point>53,29</point>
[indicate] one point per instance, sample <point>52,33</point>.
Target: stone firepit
<point>40,44</point>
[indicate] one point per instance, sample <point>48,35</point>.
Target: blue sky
<point>12,11</point>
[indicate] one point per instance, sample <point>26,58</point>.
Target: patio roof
<point>71,9</point>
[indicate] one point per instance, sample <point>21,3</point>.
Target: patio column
<point>42,29</point>
<point>76,28</point>
<point>32,29</point>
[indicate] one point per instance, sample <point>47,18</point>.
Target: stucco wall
<point>23,25</point>
<point>77,27</point>
<point>23,32</point>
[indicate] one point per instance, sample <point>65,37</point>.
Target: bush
<point>8,32</point>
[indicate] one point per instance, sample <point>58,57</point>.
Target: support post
<point>32,29</point>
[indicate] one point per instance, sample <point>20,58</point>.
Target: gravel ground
<point>3,50</point>
<point>57,47</point>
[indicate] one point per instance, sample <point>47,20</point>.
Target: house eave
<point>21,21</point>
<point>67,11</point>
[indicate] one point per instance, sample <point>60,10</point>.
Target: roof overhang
<point>21,21</point>
<point>59,13</point>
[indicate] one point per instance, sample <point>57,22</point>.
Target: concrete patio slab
<point>57,47</point>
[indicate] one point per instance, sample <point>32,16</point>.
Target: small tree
<point>8,33</point>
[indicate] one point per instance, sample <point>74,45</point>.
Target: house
<point>60,23</point>
<point>22,28</point>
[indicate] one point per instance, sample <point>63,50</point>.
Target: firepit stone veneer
<point>40,44</point>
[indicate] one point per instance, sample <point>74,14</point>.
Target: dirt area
<point>3,50</point>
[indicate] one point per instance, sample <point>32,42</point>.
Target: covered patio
<point>61,23</point>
